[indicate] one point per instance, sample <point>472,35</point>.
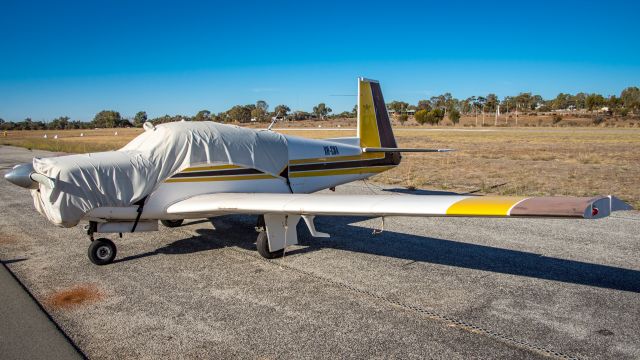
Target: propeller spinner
<point>25,176</point>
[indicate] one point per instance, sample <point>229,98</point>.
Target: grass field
<point>578,161</point>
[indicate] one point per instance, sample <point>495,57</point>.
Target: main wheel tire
<point>262,244</point>
<point>171,223</point>
<point>102,251</point>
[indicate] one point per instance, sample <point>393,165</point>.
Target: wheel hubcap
<point>103,252</point>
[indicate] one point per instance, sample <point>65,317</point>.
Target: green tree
<point>454,116</point>
<point>449,101</point>
<point>261,111</point>
<point>631,99</point>
<point>403,118</point>
<point>422,116</point>
<point>398,106</point>
<point>321,110</point>
<point>508,103</point>
<point>435,116</point>
<point>579,101</point>
<point>614,103</point>
<point>424,105</point>
<point>240,113</point>
<point>432,117</point>
<point>561,102</point>
<point>492,102</point>
<point>524,101</point>
<point>202,115</point>
<point>436,102</point>
<point>107,119</point>
<point>281,110</point>
<point>140,118</point>
<point>594,101</point>
<point>59,123</point>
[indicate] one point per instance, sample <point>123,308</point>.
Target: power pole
<point>475,110</point>
<point>483,115</point>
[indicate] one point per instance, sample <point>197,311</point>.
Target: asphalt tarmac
<point>449,288</point>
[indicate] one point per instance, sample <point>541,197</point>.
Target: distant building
<point>300,115</point>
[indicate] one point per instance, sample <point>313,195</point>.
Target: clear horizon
<point>77,58</point>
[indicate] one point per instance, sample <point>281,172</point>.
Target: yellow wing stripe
<point>484,206</point>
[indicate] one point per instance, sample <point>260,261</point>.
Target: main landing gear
<point>262,244</point>
<point>171,223</point>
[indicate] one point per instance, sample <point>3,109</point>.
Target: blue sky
<point>76,58</point>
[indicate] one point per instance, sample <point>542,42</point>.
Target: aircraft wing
<point>392,205</point>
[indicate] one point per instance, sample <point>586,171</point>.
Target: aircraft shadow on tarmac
<point>237,230</point>
<point>12,261</point>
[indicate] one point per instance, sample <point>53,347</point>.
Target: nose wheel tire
<point>102,251</point>
<point>171,223</point>
<point>262,244</point>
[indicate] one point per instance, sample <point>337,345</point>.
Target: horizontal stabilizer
<point>392,205</point>
<point>388,150</point>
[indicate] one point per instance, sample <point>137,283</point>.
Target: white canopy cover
<point>123,177</point>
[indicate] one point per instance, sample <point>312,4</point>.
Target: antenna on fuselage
<point>273,122</point>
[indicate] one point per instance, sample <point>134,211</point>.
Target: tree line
<point>426,111</point>
<point>258,112</point>
<point>434,109</point>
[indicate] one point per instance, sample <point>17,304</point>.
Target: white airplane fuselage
<point>314,165</point>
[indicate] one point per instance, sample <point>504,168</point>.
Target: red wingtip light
<point>594,211</point>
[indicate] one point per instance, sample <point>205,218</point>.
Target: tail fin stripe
<point>387,139</point>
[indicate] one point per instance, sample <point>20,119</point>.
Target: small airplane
<point>187,170</point>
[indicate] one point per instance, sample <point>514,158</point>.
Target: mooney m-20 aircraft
<point>186,170</point>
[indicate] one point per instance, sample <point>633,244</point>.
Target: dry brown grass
<point>70,141</point>
<point>522,161</point>
<point>579,161</point>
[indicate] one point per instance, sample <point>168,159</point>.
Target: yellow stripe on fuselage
<point>484,206</point>
<point>351,171</point>
<point>216,167</point>
<point>293,174</point>
<point>221,178</point>
<point>330,159</point>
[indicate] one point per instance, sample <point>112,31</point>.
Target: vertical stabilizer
<point>374,126</point>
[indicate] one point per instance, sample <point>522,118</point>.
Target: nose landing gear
<point>102,251</point>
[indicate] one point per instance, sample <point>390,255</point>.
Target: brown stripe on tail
<point>382,118</point>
